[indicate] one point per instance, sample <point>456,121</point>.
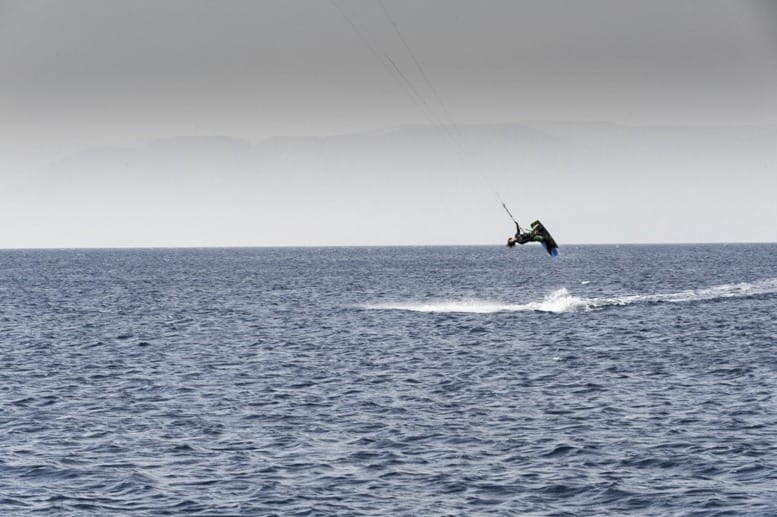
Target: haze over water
<point>420,380</point>
<point>191,123</point>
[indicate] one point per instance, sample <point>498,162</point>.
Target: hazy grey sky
<point>154,123</point>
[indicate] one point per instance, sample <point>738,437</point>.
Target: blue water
<point>389,381</point>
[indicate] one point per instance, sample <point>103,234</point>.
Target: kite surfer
<point>522,237</point>
<point>538,233</point>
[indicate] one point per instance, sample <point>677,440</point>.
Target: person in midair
<point>538,233</point>
<point>522,237</point>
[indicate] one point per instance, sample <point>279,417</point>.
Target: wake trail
<point>561,301</point>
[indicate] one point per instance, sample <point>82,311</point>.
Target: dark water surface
<point>417,381</point>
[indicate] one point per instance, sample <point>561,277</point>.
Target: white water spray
<point>561,301</point>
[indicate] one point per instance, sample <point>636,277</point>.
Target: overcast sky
<point>189,123</point>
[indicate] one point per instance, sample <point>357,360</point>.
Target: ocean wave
<point>561,301</point>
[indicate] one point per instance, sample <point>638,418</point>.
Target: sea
<point>472,380</point>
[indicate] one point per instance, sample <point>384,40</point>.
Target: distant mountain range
<point>432,150</point>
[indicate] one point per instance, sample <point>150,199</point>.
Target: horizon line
<point>335,246</point>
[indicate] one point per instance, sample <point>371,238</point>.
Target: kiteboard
<point>547,239</point>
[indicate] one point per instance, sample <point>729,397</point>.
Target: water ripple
<point>282,382</point>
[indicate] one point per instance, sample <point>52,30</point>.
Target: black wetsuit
<point>523,238</point>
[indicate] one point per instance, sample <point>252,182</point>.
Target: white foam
<point>561,301</point>
<point>557,301</point>
<point>740,290</point>
<point>471,306</point>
